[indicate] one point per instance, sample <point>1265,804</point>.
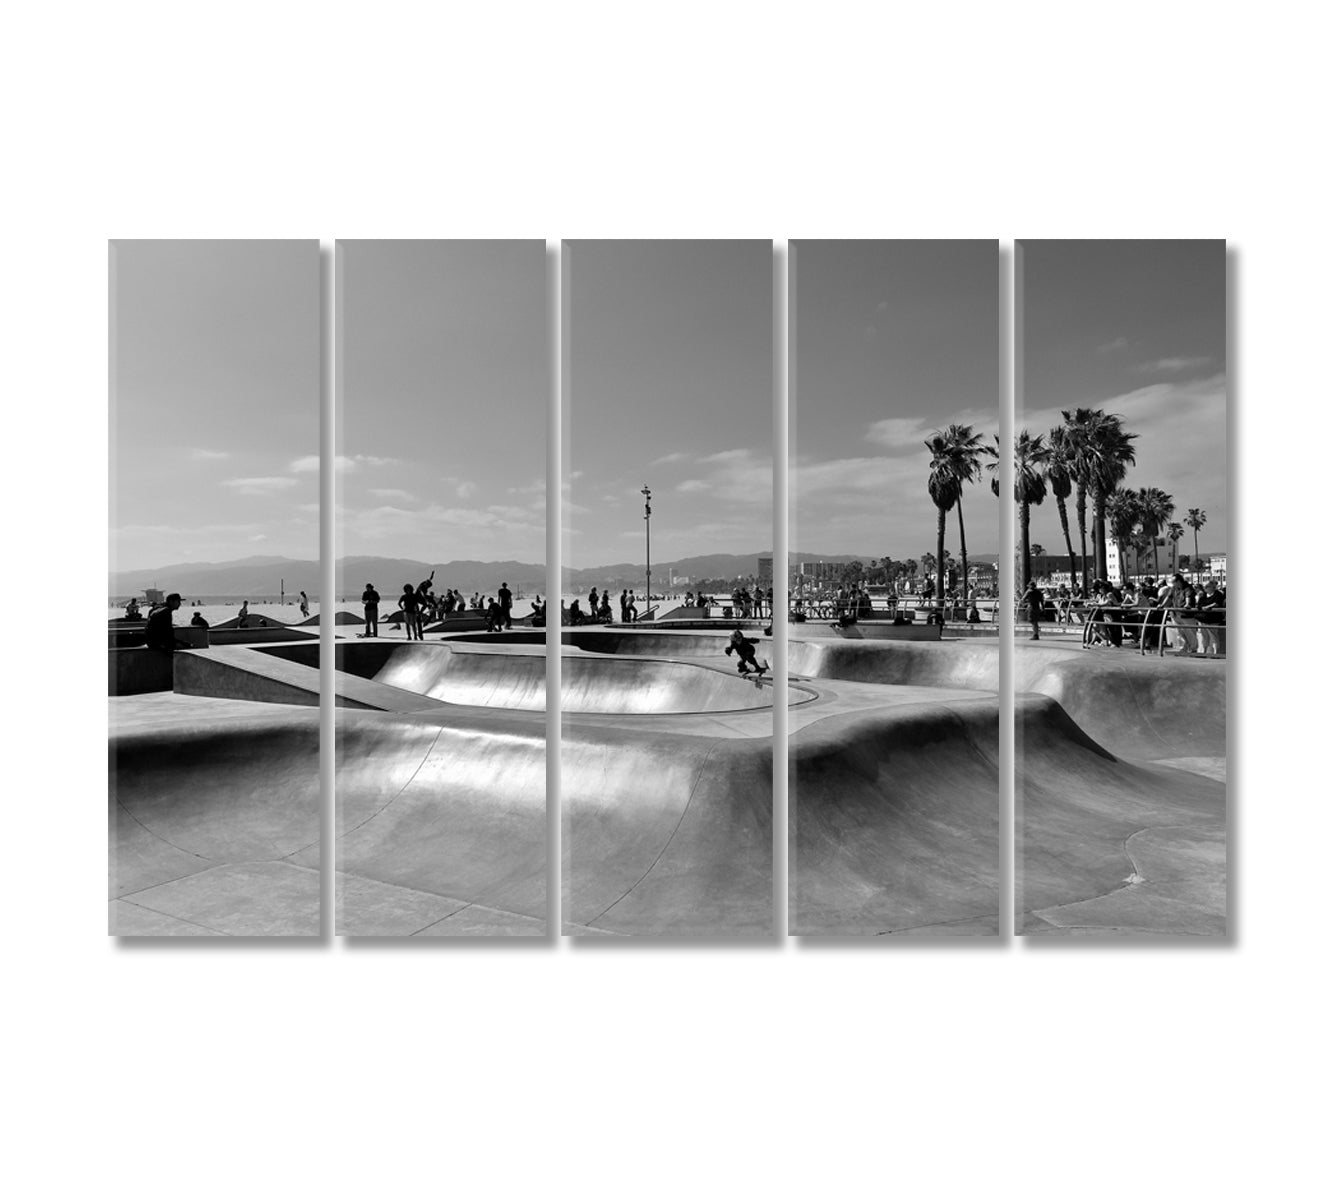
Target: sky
<point>214,420</point>
<point>891,340</point>
<point>1138,329</point>
<point>668,350</point>
<point>443,400</point>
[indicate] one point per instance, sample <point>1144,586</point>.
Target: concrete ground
<point>667,766</point>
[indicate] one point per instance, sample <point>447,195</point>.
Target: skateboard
<point>758,671</point>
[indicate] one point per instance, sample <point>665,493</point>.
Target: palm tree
<point>1195,518</point>
<point>1110,454</point>
<point>945,487</point>
<point>1155,510</point>
<point>1061,480</point>
<point>1124,515</point>
<point>1077,426</point>
<point>1030,486</point>
<point>1175,529</point>
<point>966,451</point>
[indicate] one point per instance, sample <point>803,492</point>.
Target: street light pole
<point>648,559</point>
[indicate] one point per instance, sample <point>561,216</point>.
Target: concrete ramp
<point>1112,846</point>
<point>894,821</point>
<point>669,835</point>
<point>282,677</point>
<point>442,826</point>
<point>489,675</point>
<point>214,819</point>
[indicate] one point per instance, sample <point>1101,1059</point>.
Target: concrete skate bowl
<point>214,825</point>
<point>441,824</point>
<point>1141,707</point>
<point>894,821</point>
<point>669,835</point>
<point>514,677</point>
<point>1111,845</point>
<point>650,642</point>
<point>1113,836</point>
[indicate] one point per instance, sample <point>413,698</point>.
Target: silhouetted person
<point>305,606</point>
<point>506,598</point>
<point>242,616</point>
<point>132,609</point>
<point>411,606</point>
<point>370,600</point>
<point>159,630</point>
<point>744,648</point>
<point>1032,600</point>
<point>198,621</point>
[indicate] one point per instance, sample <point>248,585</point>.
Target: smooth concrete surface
<point>1120,792</point>
<point>894,759</point>
<point>212,802</point>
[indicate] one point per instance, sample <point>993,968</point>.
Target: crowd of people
<point>1150,613</point>
<point>421,604</point>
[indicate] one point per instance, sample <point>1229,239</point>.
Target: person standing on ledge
<point>160,630</point>
<point>370,600</point>
<point>242,616</point>
<point>1032,600</point>
<point>411,606</point>
<point>305,606</point>
<point>506,598</point>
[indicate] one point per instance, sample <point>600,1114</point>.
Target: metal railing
<point>1146,628</point>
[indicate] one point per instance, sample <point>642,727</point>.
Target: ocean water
<point>216,613</point>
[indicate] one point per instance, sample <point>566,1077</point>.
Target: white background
<point>1079,1070</point>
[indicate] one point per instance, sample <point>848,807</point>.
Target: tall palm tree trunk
<point>1195,562</point>
<point>1065,529</point>
<point>1026,565</point>
<point>940,552</point>
<point>1081,515</point>
<point>963,555</point>
<point>1099,534</point>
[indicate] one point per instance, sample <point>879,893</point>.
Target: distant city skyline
<point>214,430</point>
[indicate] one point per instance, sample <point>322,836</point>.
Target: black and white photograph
<point>439,669</point>
<point>894,610</point>
<point>1121,630</point>
<point>667,719</point>
<point>214,579</point>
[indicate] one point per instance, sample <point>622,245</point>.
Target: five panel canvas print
<point>901,591</point>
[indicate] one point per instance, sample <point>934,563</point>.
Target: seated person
<point>159,629</point>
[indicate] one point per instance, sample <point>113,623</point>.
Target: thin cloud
<point>898,433</point>
<point>1175,365</point>
<point>392,494</point>
<point>1114,345</point>
<point>675,457</point>
<point>199,454</point>
<point>261,485</point>
<point>341,462</point>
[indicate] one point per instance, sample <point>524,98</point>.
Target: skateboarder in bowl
<point>744,648</point>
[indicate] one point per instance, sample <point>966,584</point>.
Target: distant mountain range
<point>262,575</point>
